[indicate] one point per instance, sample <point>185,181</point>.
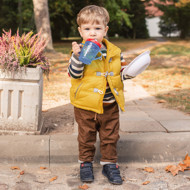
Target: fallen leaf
<point>187,160</point>
<point>146,182</point>
<point>183,167</point>
<point>149,169</point>
<point>178,85</point>
<point>22,172</point>
<point>162,101</point>
<point>83,186</point>
<point>44,110</point>
<point>43,168</point>
<point>167,168</point>
<point>180,167</point>
<point>174,170</point>
<point>53,179</point>
<point>15,168</point>
<point>145,86</point>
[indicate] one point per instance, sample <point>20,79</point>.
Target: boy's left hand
<point>76,48</point>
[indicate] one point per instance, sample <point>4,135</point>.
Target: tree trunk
<point>42,21</point>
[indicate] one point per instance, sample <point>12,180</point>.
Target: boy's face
<point>93,30</point>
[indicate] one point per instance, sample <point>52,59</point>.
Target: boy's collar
<point>111,48</point>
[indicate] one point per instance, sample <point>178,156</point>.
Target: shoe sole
<point>87,180</point>
<point>109,180</point>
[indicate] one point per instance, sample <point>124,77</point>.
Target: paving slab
<point>144,107</point>
<point>165,114</point>
<point>176,125</point>
<point>135,115</point>
<point>141,126</point>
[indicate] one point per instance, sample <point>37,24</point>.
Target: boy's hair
<point>94,14</point>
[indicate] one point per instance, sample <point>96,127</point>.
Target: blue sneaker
<point>86,172</point>
<point>111,171</point>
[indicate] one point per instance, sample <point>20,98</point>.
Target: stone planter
<point>21,101</point>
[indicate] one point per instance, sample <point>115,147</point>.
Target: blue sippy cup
<point>89,51</point>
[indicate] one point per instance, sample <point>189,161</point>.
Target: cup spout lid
<point>94,41</point>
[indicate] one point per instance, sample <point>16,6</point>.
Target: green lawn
<point>171,49</point>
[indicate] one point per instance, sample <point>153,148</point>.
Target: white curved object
<point>138,65</point>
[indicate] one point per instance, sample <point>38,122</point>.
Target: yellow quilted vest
<point>88,92</point>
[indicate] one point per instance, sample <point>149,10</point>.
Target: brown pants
<point>107,124</point>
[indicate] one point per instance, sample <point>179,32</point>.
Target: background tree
<point>118,15</point>
<point>176,14</point>
<point>115,8</point>
<point>167,26</point>
<point>138,15</point>
<point>23,14</point>
<point>61,16</point>
<point>42,21</point>
<point>16,14</point>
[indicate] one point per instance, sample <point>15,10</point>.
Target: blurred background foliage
<point>127,17</point>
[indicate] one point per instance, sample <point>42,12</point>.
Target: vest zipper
<point>117,93</point>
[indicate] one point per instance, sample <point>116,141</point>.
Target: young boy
<point>96,92</point>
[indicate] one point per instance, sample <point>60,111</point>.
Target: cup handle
<point>99,57</point>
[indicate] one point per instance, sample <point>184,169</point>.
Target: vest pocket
<point>77,90</point>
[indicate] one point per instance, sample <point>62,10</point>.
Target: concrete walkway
<point>149,134</point>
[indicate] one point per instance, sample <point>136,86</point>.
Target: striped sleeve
<point>76,67</point>
<point>123,66</point>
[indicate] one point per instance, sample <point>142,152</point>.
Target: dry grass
<point>127,44</point>
<point>168,76</point>
<point>56,89</point>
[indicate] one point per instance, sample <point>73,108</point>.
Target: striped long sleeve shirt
<point>76,68</point>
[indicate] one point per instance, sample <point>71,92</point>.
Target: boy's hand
<point>76,48</point>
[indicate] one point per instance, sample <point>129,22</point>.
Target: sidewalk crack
<point>151,117</point>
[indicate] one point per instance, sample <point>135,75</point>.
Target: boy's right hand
<point>76,48</point>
